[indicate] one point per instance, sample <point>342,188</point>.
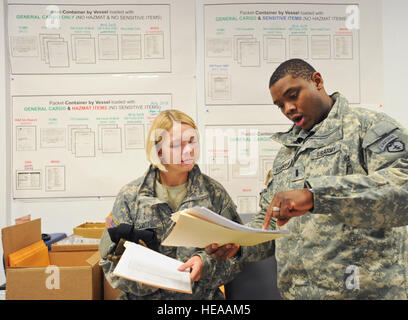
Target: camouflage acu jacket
<point>137,204</point>
<point>353,245</point>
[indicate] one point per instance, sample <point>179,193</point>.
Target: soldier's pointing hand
<point>288,204</point>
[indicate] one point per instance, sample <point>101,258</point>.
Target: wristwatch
<point>309,187</point>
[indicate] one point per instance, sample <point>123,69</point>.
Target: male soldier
<point>339,184</point>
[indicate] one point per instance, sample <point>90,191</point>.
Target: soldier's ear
<point>317,80</point>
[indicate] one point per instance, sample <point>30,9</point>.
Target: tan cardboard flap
<point>94,259</point>
<point>70,258</point>
<point>20,236</point>
<point>97,273</point>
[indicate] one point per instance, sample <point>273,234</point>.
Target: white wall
<point>395,48</point>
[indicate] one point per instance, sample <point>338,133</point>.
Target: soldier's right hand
<point>224,252</point>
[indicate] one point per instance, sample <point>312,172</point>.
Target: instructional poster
<point>239,157</point>
<point>245,42</point>
<point>85,145</point>
<point>104,38</point>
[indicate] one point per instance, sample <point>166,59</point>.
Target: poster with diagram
<point>85,145</point>
<point>103,38</point>
<point>244,43</point>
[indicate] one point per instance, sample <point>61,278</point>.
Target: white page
<point>298,47</point>
<point>28,180</point>
<point>211,216</point>
<point>193,231</point>
<point>24,46</point>
<point>73,42</point>
<point>276,50</point>
<point>26,138</point>
<point>55,178</point>
<point>131,45</point>
<point>85,144</point>
<point>343,47</point>
<point>73,131</point>
<point>100,128</point>
<point>154,46</point>
<point>250,54</point>
<point>219,47</point>
<point>52,137</point>
<point>111,140</point>
<point>71,135</point>
<point>239,47</point>
<point>141,264</point>
<point>45,42</point>
<point>85,50</point>
<point>236,44</point>
<point>320,47</point>
<point>42,37</point>
<point>134,136</point>
<point>247,205</point>
<point>58,53</point>
<point>108,47</point>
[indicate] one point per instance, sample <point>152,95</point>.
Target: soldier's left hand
<point>196,265</point>
<point>292,203</point>
<point>224,252</point>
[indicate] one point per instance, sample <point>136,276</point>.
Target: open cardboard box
<point>90,229</point>
<point>75,243</point>
<point>77,275</point>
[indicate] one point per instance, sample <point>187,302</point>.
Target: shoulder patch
<point>396,146</point>
<point>110,222</point>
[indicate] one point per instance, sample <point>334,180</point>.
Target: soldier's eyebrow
<point>287,92</point>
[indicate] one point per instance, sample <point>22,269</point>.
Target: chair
<point>258,281</point>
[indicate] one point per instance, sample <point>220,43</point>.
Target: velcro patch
<point>324,152</point>
<point>282,166</point>
<point>384,142</point>
<point>110,222</point>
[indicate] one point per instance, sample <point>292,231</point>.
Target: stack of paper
<point>144,265</point>
<point>200,227</point>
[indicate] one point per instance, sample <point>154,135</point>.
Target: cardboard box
<point>90,230</point>
<point>72,275</point>
<point>76,243</point>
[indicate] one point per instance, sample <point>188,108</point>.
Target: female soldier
<point>143,208</point>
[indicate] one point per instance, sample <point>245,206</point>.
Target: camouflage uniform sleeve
<point>266,249</point>
<point>121,214</point>
<point>378,199</point>
<point>216,273</point>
